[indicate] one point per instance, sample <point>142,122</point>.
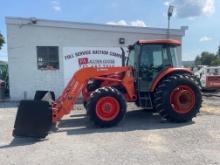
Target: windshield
<point>133,54</point>
<point>131,57</point>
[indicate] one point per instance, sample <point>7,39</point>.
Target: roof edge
<point>21,21</point>
<point>161,41</point>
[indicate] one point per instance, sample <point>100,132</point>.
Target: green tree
<point>205,58</point>
<point>216,62</point>
<point>218,52</point>
<point>2,40</point>
<point>4,71</point>
<point>3,67</point>
<point>198,60</point>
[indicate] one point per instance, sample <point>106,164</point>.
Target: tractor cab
<point>149,58</point>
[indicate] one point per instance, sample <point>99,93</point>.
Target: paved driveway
<point>142,138</point>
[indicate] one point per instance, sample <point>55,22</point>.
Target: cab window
<point>173,53</point>
<point>154,56</point>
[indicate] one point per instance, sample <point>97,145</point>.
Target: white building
<point>40,52</point>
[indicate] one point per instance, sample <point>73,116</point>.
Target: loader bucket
<point>34,119</point>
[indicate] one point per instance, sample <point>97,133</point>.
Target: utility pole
<point>169,14</point>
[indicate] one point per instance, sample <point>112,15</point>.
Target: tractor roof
<point>162,41</point>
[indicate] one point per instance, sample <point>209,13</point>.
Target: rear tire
<point>178,98</point>
<point>106,107</point>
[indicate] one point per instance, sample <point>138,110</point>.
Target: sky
<point>201,16</point>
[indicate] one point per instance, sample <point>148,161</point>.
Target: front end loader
<point>151,79</point>
<point>35,117</point>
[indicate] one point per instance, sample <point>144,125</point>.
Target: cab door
<point>153,59</point>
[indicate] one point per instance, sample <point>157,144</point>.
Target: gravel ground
<point>142,138</point>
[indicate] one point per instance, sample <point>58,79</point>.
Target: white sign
<point>75,58</point>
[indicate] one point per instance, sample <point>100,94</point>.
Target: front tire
<point>178,98</point>
<point>106,107</point>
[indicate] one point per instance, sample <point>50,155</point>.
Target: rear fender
<point>166,73</point>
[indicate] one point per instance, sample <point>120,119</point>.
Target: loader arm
<point>65,103</point>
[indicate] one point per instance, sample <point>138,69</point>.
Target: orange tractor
<point>149,78</point>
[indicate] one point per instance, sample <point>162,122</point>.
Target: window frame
<point>165,50</point>
<point>48,60</point>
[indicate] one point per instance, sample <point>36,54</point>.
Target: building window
<point>47,57</point>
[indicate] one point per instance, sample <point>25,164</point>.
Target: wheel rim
<point>107,108</point>
<point>182,99</point>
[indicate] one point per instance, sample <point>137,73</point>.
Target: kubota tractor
<point>150,79</point>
